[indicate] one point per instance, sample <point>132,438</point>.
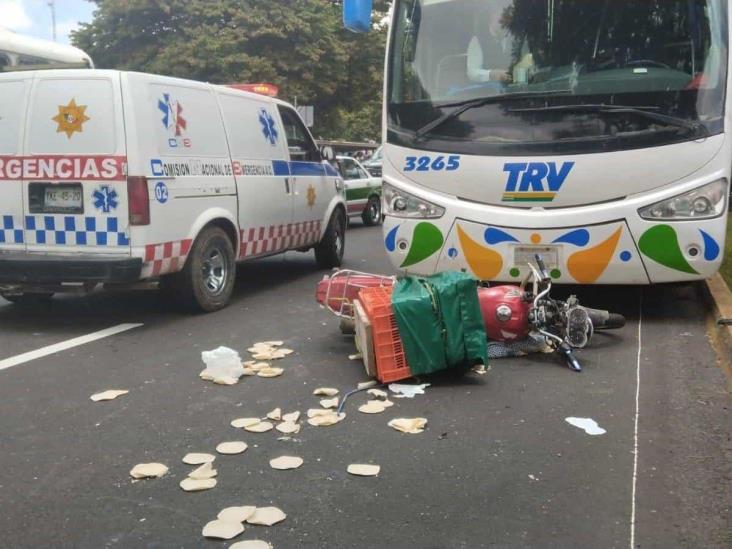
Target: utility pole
<point>52,5</point>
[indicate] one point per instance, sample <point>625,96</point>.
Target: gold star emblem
<point>70,118</point>
<point>311,196</point>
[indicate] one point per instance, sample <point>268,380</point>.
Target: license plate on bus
<point>526,254</point>
<point>56,198</point>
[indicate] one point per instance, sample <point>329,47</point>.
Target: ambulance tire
<point>372,214</point>
<point>207,281</point>
<point>31,300</point>
<point>329,251</point>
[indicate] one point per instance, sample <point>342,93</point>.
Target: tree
<point>299,45</point>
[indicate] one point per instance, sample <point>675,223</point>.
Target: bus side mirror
<point>327,153</point>
<point>357,15</point>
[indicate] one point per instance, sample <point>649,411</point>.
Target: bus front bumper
<point>614,252</point>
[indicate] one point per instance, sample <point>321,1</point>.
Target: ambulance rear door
<point>14,90</point>
<point>74,170</point>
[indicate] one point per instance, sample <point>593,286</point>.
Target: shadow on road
<point>101,307</point>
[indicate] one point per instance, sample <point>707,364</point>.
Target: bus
<point>592,132</point>
<point>18,53</point>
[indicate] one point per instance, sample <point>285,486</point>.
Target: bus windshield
<point>555,76</point>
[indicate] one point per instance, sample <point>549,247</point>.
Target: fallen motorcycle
<point>511,313</point>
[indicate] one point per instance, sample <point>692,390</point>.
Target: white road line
<point>635,430</point>
<point>64,345</point>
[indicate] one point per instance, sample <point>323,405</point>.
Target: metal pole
<point>52,5</point>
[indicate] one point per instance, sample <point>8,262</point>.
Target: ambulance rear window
<point>11,115</point>
<point>72,116</point>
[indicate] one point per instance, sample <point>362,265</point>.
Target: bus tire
<point>372,213</point>
<point>329,251</point>
<point>207,281</point>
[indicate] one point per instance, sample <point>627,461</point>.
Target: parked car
<point>363,191</point>
<point>373,164</point>
<point>112,178</point>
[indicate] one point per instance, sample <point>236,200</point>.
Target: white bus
<point>591,131</point>
<point>18,52</point>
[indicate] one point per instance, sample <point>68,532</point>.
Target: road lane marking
<point>635,430</point>
<point>64,345</point>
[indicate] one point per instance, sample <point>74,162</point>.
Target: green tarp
<point>439,322</point>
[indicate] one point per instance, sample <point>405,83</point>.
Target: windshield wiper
<point>647,112</point>
<point>462,106</point>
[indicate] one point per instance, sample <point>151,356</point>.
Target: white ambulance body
<point>111,177</point>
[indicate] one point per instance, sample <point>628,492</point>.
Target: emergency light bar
<point>270,90</point>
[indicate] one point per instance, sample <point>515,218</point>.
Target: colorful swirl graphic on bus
<point>586,265</point>
<point>661,244</point>
<point>426,240</point>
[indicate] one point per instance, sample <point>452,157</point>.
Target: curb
<point>721,298</point>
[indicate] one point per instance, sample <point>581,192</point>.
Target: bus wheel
<point>372,214</point>
<point>207,280</point>
<point>28,299</point>
<point>329,251</point>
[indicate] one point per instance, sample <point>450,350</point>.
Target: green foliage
<point>299,45</point>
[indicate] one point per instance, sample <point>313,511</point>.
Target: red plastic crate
<point>391,363</point>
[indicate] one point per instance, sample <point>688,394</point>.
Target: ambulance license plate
<point>525,254</point>
<point>62,198</point>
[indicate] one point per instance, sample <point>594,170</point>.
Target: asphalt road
<point>497,466</point>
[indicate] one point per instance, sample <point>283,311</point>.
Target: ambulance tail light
<point>139,200</point>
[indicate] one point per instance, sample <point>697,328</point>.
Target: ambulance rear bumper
<point>26,269</point>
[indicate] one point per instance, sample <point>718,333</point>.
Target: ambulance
<point>114,178</point>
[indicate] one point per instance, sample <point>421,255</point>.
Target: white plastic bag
<point>223,366</point>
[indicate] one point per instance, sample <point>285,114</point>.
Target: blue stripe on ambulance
<point>304,169</point>
<point>75,230</point>
<point>10,231</point>
<point>281,167</point>
<point>331,171</point>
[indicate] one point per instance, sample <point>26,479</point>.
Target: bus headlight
<point>397,203</point>
<point>704,202</point>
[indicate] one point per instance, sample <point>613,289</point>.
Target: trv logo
<point>534,181</point>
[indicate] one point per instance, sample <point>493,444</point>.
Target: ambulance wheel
<point>372,214</point>
<point>28,299</point>
<point>329,251</point>
<point>207,281</point>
